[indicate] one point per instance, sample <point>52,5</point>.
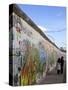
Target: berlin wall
<point>32,54</point>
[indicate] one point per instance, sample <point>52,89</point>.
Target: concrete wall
<point>32,54</point>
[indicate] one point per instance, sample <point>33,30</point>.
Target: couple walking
<point>60,64</point>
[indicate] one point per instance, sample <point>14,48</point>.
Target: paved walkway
<point>52,78</point>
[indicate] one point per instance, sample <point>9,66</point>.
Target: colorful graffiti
<point>32,65</point>
<point>30,59</point>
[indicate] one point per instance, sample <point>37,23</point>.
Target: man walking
<point>62,64</point>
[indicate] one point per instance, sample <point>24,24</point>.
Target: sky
<point>51,19</point>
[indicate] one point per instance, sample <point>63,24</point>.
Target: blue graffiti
<point>42,55</point>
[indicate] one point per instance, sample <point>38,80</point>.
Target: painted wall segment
<point>33,55</point>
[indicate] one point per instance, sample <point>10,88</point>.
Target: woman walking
<point>58,66</point>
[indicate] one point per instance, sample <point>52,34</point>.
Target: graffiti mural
<point>30,59</point>
<point>31,56</point>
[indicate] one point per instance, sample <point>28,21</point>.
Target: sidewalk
<point>53,78</point>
